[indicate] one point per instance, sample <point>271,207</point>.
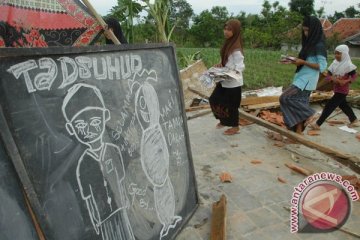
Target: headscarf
<point>233,43</point>
<point>343,66</point>
<point>314,43</point>
<point>116,28</point>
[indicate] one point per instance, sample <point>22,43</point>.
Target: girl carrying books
<point>342,72</point>
<point>226,97</point>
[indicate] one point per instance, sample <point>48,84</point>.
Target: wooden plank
<point>218,219</point>
<point>196,108</point>
<point>263,106</point>
<point>198,93</point>
<point>267,102</point>
<point>299,169</point>
<point>198,115</point>
<point>352,161</point>
<point>258,100</point>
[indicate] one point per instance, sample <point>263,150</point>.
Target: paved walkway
<point>258,203</point>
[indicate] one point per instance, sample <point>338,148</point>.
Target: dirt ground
<point>257,202</point>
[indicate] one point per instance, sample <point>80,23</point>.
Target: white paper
<point>347,129</point>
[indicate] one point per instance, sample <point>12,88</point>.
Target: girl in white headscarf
<point>342,72</point>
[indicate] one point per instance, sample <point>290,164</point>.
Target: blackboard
<point>99,139</point>
<point>13,210</point>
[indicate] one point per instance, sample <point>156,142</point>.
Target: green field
<point>262,67</point>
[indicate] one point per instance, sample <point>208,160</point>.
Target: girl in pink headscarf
<point>342,72</point>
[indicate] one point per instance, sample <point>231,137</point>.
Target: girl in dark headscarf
<point>114,25</point>
<point>226,97</point>
<point>294,101</point>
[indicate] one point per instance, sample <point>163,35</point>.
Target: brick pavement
<point>257,201</point>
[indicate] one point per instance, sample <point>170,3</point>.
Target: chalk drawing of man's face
<point>88,125</point>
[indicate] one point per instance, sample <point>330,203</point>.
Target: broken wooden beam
<point>196,108</point>
<point>198,93</point>
<point>218,219</point>
<point>349,160</point>
<point>263,106</point>
<point>299,169</point>
<point>258,100</point>
<point>273,101</point>
<point>198,115</point>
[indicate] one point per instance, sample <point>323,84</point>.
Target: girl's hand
<point>299,62</point>
<point>218,65</point>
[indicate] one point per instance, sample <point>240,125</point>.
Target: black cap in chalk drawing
<point>79,97</point>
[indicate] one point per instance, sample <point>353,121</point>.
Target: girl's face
<point>338,56</point>
<point>306,31</point>
<point>228,33</point>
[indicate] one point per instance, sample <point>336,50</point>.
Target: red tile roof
<point>345,27</point>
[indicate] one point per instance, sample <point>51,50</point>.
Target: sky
<point>236,6</point>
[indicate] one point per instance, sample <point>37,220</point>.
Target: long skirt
<point>294,104</point>
<point>225,103</point>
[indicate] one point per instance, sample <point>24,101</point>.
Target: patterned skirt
<point>225,103</point>
<point>294,104</point>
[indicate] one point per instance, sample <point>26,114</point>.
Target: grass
<point>262,67</point>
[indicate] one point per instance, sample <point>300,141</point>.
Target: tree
<point>336,16</point>
<point>207,29</point>
<point>266,11</point>
<point>304,7</point>
<point>160,11</point>
<point>333,41</point>
<point>320,12</point>
<point>145,31</point>
<point>271,28</point>
<point>125,12</point>
<point>180,16</point>
<point>351,12</point>
<point>180,13</point>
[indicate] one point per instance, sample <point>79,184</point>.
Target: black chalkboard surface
<point>99,138</point>
<point>13,211</point>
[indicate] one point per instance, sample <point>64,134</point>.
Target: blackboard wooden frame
<point>11,145</point>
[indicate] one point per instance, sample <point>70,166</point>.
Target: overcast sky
<point>236,6</point>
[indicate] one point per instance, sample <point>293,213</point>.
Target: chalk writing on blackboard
<point>72,69</point>
<point>155,155</point>
<point>101,162</point>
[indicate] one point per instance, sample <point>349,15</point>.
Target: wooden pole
<point>198,93</point>
<point>218,220</point>
<point>199,115</point>
<point>352,161</point>
<point>196,108</point>
<point>33,218</point>
<point>102,22</point>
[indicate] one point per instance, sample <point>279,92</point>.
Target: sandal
<point>314,126</point>
<point>219,125</point>
<point>310,120</point>
<point>299,128</point>
<point>354,123</point>
<point>232,131</point>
